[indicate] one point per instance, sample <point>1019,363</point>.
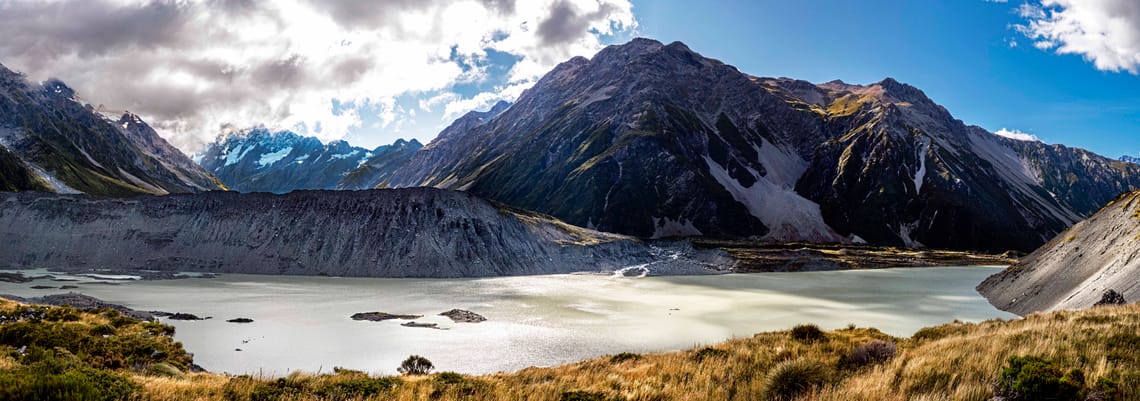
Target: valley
<point>427,212</point>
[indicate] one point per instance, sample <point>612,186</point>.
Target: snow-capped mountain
<point>1130,159</point>
<point>50,141</point>
<point>280,162</point>
<point>655,140</point>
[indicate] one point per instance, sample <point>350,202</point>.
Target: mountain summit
<point>262,161</point>
<point>50,141</point>
<point>656,140</point>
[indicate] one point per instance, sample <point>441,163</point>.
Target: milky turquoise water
<point>302,323</point>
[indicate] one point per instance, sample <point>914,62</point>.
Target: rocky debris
<point>414,232</point>
<point>754,257</point>
<point>241,320</point>
<point>80,301</point>
<point>423,325</point>
<point>463,316</point>
<point>382,316</point>
<point>178,316</point>
<point>14,278</point>
<point>42,287</point>
<point>1075,268</point>
<point>1111,297</point>
<point>68,287</point>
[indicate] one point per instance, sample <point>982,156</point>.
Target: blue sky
<point>373,71</point>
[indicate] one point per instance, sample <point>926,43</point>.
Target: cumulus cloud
<point>1105,32</point>
<point>1017,135</point>
<point>194,68</point>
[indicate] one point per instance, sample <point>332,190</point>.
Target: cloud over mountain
<point>195,67</point>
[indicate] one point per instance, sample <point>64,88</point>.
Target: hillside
<point>51,141</point>
<point>421,232</point>
<point>1083,355</point>
<point>1076,268</point>
<point>655,140</point>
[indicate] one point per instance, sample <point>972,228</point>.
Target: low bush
<point>1027,378</point>
<point>58,375</point>
<point>790,379</point>
<point>624,357</point>
<point>808,333</point>
<point>586,396</point>
<point>872,353</point>
<point>415,365</point>
<point>709,353</point>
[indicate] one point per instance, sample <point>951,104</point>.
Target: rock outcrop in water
<point>1079,267</point>
<point>418,232</point>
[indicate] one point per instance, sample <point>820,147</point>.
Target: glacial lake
<point>302,323</point>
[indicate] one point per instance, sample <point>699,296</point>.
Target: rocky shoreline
<point>758,257</point>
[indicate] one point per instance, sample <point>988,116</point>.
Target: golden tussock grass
<point>956,361</point>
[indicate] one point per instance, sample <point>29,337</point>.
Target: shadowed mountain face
<point>280,162</point>
<point>50,141</point>
<point>417,232</point>
<point>1077,267</point>
<point>655,140</point>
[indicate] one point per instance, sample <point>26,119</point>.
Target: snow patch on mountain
<point>787,214</point>
<point>920,171</point>
<point>274,157</point>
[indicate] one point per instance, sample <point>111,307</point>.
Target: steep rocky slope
<point>420,232</point>
<point>52,141</point>
<point>280,162</point>
<point>379,168</point>
<point>1076,268</point>
<point>656,140</point>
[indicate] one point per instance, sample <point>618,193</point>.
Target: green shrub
<point>449,378</point>
<point>939,332</point>
<point>808,333</point>
<point>355,388</point>
<point>586,396</point>
<point>709,353</point>
<point>1028,378</point>
<point>624,357</point>
<point>789,379</point>
<point>61,314</point>
<point>415,365</point>
<point>163,369</point>
<point>58,375</point>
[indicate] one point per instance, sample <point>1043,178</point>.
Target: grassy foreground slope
<point>1072,355</point>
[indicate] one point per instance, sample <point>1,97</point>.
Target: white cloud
<point>1105,32</point>
<point>192,67</point>
<point>1017,135</point>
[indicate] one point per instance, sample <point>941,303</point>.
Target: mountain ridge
<point>53,142</point>
<point>613,142</point>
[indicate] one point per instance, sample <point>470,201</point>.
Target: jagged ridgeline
<point>49,141</point>
<point>656,140</point>
<point>263,161</point>
<point>418,232</point>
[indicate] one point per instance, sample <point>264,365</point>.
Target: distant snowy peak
<point>1130,159</point>
<point>260,160</point>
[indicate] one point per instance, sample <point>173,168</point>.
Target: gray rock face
<point>419,232</point>
<point>1075,269</point>
<point>655,140</point>
<point>49,140</point>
